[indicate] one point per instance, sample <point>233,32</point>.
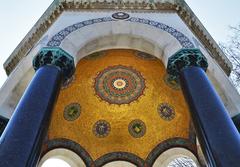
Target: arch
<point>120,41</point>
<point>119,164</point>
<point>74,37</point>
<point>70,145</point>
<point>168,144</point>
<point>119,156</point>
<point>66,155</point>
<point>172,154</point>
<point>57,39</point>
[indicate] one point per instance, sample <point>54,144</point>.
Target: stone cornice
<point>58,6</point>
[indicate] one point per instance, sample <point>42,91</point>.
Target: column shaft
<point>21,142</point>
<point>217,134</point>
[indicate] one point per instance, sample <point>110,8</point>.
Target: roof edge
<point>58,6</point>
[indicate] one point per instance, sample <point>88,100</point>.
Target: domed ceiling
<point>120,101</point>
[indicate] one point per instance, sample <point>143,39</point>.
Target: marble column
<point>218,137</point>
<point>21,141</point>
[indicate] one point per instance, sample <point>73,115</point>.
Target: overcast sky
<point>18,16</point>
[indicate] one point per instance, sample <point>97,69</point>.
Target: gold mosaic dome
<point>120,101</point>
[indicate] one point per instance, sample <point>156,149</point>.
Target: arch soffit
<point>74,37</point>
<point>169,155</point>
<point>184,148</point>
<point>120,41</point>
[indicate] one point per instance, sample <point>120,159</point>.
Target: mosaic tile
<point>137,128</point>
<point>72,111</point>
<point>119,85</point>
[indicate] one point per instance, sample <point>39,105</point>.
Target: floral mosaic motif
<point>172,82</point>
<point>61,35</point>
<point>101,128</point>
<point>145,56</point>
<point>120,15</point>
<point>72,111</point>
<point>95,55</point>
<point>137,128</point>
<point>119,85</point>
<point>166,111</point>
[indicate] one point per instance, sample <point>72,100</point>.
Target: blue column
<point>21,141</point>
<point>218,137</point>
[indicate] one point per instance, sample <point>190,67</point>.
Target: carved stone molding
<point>58,6</point>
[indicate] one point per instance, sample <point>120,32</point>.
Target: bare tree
<point>232,50</point>
<point>182,162</point>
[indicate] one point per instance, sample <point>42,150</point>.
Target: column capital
<point>185,58</point>
<point>57,57</point>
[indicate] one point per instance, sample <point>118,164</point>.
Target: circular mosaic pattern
<point>166,111</point>
<point>137,128</point>
<point>101,128</point>
<point>119,85</point>
<point>172,82</point>
<point>145,56</point>
<point>120,15</point>
<point>72,111</point>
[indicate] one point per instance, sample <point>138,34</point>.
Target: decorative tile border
<point>167,144</point>
<point>61,35</point>
<point>182,39</point>
<point>71,145</point>
<point>116,156</point>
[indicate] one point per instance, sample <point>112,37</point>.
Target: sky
<point>18,17</point>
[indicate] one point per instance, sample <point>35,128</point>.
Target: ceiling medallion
<point>120,15</point>
<point>72,112</point>
<point>119,85</point>
<point>172,82</point>
<point>137,128</point>
<point>166,111</point>
<point>145,56</point>
<point>101,128</point>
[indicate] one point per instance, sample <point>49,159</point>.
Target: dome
<point>120,101</point>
